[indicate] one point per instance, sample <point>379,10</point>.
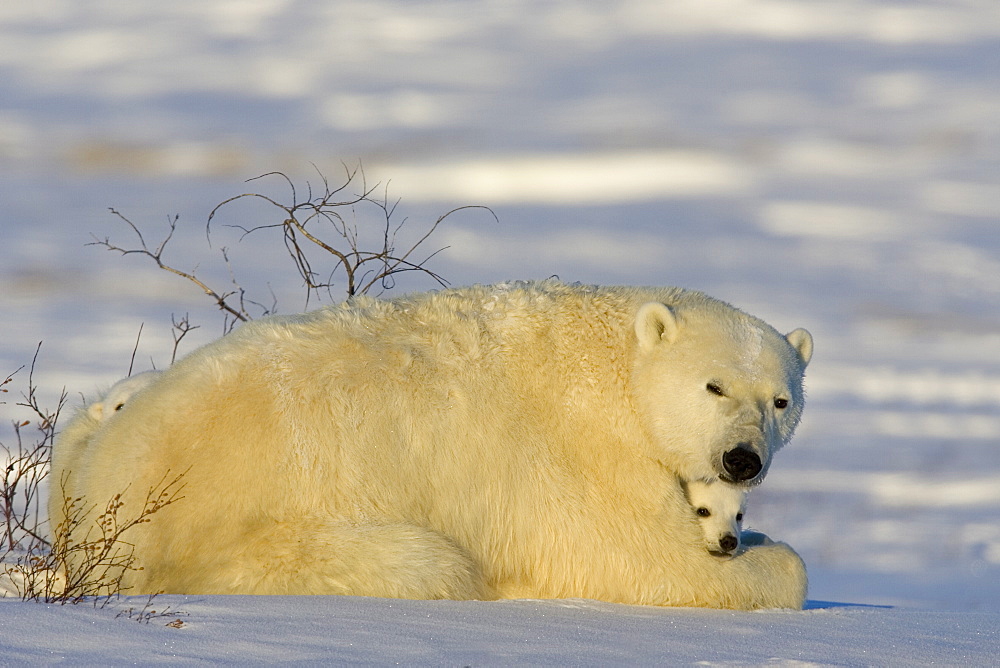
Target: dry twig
<point>323,239</point>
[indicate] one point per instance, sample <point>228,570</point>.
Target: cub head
<point>719,508</point>
<point>120,393</point>
<point>719,391</point>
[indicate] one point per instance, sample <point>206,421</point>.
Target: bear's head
<point>719,391</point>
<point>120,393</point>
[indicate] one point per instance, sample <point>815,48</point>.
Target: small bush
<point>81,558</point>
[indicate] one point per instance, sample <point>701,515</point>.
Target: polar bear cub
<point>116,397</point>
<point>719,508</point>
<point>72,452</point>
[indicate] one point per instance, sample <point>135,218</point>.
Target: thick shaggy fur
<point>73,448</point>
<point>519,440</point>
<point>115,398</point>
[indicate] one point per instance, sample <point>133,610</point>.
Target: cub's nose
<point>728,543</point>
<point>741,464</point>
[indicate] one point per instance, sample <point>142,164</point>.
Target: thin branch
<point>135,349</point>
<point>321,233</point>
<point>181,328</point>
<point>157,257</point>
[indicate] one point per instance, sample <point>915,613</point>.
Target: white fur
<point>719,509</point>
<point>72,447</point>
<point>115,398</point>
<point>522,440</point>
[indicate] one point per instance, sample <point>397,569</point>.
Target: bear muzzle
<point>741,464</point>
<point>725,547</point>
<point>729,543</point>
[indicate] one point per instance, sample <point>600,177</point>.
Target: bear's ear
<point>802,341</point>
<point>96,410</point>
<point>655,322</point>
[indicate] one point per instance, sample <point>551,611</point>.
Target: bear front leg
<point>765,575</point>
<point>758,577</point>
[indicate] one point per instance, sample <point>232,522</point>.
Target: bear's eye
<point>739,517</point>
<point>119,406</point>
<point>781,403</point>
<point>715,389</point>
<point>704,512</point>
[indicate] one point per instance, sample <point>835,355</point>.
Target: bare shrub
<point>91,556</point>
<point>146,613</point>
<point>322,236</point>
<point>86,556</point>
<point>27,465</point>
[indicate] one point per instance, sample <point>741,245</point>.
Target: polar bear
<point>70,451</point>
<point>506,441</point>
<point>719,508</point>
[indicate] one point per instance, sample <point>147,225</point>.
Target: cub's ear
<point>802,341</point>
<point>96,410</point>
<point>654,323</point>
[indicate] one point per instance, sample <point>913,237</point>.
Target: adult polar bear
<point>518,440</point>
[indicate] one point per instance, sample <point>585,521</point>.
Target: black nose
<point>728,543</point>
<point>741,463</point>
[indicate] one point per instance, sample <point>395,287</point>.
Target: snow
<point>828,165</point>
<point>237,629</point>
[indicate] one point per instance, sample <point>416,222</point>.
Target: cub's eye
<point>781,403</point>
<point>715,389</point>
<point>704,512</point>
<point>739,517</point>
